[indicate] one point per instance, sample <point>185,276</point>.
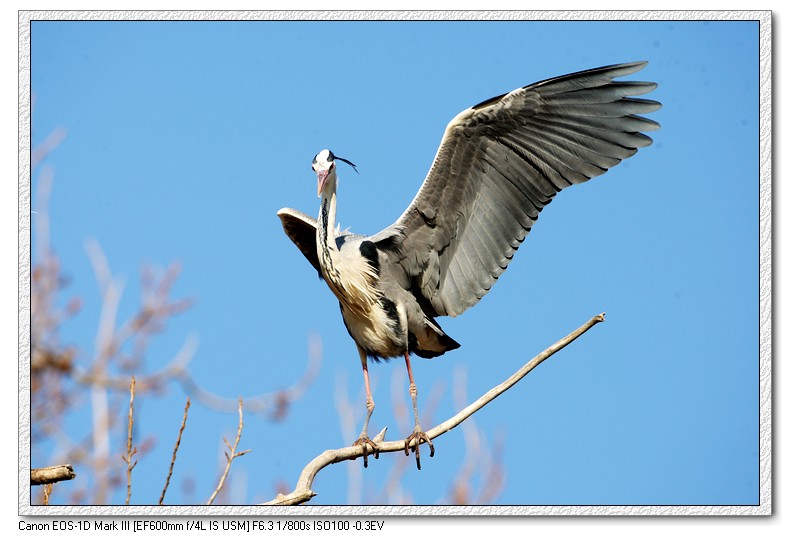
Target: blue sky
<point>185,138</point>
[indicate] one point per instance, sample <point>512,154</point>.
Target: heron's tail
<point>433,343</point>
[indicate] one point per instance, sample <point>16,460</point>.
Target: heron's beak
<point>322,175</point>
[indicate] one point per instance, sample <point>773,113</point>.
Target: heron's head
<point>324,167</point>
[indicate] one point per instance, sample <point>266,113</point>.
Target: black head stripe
<point>347,162</point>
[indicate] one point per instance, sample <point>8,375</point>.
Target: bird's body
<point>381,315</point>
<point>499,163</point>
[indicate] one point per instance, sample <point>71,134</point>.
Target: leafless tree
<point>68,379</point>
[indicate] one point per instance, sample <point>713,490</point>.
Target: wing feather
<point>301,229</point>
<point>499,163</point>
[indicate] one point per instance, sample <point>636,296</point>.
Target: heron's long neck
<point>326,219</point>
<point>356,287</point>
<point>326,236</point>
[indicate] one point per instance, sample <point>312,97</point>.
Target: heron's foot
<point>366,443</point>
<point>418,436</point>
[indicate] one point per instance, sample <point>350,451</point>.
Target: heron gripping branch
<point>498,165</point>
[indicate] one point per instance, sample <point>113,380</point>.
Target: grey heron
<point>498,165</point>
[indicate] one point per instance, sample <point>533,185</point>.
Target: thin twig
<point>130,451</point>
<point>304,492</point>
<point>175,451</point>
<point>230,455</point>
<point>47,493</point>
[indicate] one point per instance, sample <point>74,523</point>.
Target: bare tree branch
<point>130,450</point>
<point>151,381</point>
<point>481,461</point>
<point>272,405</point>
<point>49,144</point>
<point>175,451</point>
<point>230,455</point>
<point>49,475</point>
<point>304,491</point>
<point>47,493</point>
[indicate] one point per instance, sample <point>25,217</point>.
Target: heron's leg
<point>417,435</point>
<point>369,403</point>
<point>364,439</point>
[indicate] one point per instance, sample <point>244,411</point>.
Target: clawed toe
<point>366,442</point>
<point>417,436</point>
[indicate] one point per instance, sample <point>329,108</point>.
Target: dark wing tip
<point>609,71</point>
<point>588,77</point>
<point>488,102</point>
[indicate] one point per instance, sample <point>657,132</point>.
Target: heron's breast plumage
<point>374,321</point>
<point>352,273</point>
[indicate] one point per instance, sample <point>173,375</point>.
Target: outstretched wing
<point>499,163</point>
